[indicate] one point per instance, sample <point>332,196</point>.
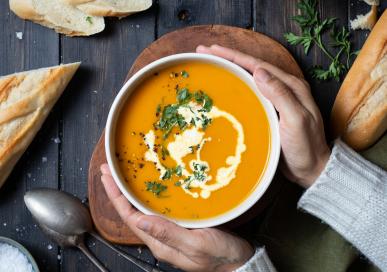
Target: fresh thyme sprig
<point>312,29</point>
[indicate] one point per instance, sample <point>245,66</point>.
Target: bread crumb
<point>57,140</point>
<point>365,21</point>
<point>44,159</point>
<point>49,247</point>
<point>19,35</point>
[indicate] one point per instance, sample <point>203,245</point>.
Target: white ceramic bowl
<point>147,71</point>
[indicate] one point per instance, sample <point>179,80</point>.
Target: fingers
<point>155,232</point>
<point>168,232</point>
<point>295,84</point>
<point>243,60</point>
<point>120,203</point>
<point>278,93</point>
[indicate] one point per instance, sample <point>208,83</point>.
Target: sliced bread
<point>118,8</point>
<point>56,14</point>
<point>25,101</point>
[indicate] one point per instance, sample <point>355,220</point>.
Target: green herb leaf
<point>183,96</point>
<point>158,109</point>
<point>184,74</point>
<point>179,171</point>
<point>164,152</point>
<point>204,100</point>
<point>168,174</point>
<point>89,20</point>
<point>312,29</point>
<point>155,187</point>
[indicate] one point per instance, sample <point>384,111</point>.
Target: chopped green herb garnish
<point>155,187</point>
<point>178,183</point>
<point>199,171</point>
<point>168,174</point>
<point>164,152</point>
<point>184,74</point>
<point>187,182</point>
<point>205,121</point>
<point>183,96</point>
<point>179,171</point>
<point>170,118</point>
<point>158,110</point>
<point>89,20</point>
<point>204,100</point>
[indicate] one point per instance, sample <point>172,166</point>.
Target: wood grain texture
<point>80,116</point>
<point>278,21</point>
<point>32,170</point>
<point>105,217</point>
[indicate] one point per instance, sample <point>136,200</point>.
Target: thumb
<point>166,232</point>
<point>277,93</point>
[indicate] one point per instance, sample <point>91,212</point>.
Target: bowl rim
<point>22,249</point>
<point>274,149</point>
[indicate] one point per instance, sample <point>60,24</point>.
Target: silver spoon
<point>64,219</point>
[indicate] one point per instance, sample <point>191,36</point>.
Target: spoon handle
<point>139,263</point>
<point>91,257</point>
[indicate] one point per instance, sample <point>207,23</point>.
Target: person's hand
<point>191,250</point>
<point>304,148</point>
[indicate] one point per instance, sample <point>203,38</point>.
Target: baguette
<point>58,15</point>
<point>25,101</point>
<point>118,8</point>
<point>359,113</point>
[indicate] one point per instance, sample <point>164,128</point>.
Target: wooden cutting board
<point>106,219</point>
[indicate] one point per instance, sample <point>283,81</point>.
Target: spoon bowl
<point>65,220</point>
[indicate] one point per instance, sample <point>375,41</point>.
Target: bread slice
<point>365,21</point>
<point>25,101</point>
<point>118,8</point>
<point>62,17</point>
<point>360,110</point>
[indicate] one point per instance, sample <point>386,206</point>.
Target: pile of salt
<point>13,260</point>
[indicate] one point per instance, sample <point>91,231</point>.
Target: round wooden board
<point>106,219</point>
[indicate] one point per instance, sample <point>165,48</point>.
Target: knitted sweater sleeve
<point>350,195</point>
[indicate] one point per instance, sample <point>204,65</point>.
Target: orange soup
<point>192,141</point>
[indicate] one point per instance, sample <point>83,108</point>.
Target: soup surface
<point>192,141</point>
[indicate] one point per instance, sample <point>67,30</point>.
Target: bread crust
<point>24,105</point>
<point>356,89</point>
<point>25,10</point>
<point>96,8</point>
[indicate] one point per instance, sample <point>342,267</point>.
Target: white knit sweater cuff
<point>350,196</point>
<point>260,262</point>
<point>343,189</point>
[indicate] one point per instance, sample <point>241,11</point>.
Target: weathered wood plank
<point>174,14</point>
<point>39,165</point>
<point>106,59</point>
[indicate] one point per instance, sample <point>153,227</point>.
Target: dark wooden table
<point>79,117</point>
